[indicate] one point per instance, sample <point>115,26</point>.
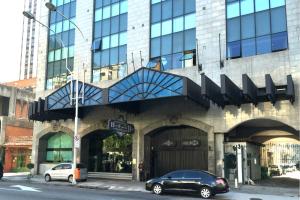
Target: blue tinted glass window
<point>176,61</point>
<point>233,9</point>
<point>248,47</point>
<point>263,44</point>
<point>190,21</point>
<point>166,9</point>
<point>166,45</point>
<point>248,26</point>
<point>98,14</point>
<point>71,37</point>
<point>97,29</point>
<point>122,54</point>
<point>73,9</point>
<point>190,39</point>
<point>106,12</point>
<point>114,40</point>
<point>114,24</point>
<point>52,17</point>
<point>105,27</point>
<point>261,5</point>
<point>278,20</point>
<point>98,3</point>
<point>155,30</point>
<point>123,7</point>
<point>105,58</point>
<point>233,29</point>
<point>262,23</point>
<point>166,62</point>
<point>155,47</point>
<point>67,10</point>
<point>234,49</point>
<point>277,3</point>
<point>115,9</point>
<point>156,13</point>
<point>123,22</point>
<point>114,56</point>
<point>189,6</point>
<point>177,42</point>
<point>155,1</point>
<point>123,38</point>
<point>96,60</point>
<point>61,9</point>
<point>178,24</point>
<point>247,7</point>
<point>105,42</point>
<point>166,27</point>
<point>177,8</point>
<point>279,41</point>
<point>106,2</point>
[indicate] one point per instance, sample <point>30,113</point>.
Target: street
<point>27,191</point>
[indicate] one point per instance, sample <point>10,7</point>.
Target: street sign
<point>120,127</point>
<point>77,141</point>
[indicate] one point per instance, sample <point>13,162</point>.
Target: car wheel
<point>70,178</point>
<point>47,178</point>
<point>157,189</point>
<point>205,192</point>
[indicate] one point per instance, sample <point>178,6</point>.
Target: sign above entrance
<point>120,127</point>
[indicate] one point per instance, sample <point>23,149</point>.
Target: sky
<point>11,22</point>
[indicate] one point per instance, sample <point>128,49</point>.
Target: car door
<point>191,180</point>
<point>173,180</point>
<point>66,171</point>
<point>56,172</point>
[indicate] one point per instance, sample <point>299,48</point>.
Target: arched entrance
<point>255,155</point>
<point>104,152</point>
<point>173,148</point>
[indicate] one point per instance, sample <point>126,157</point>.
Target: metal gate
<point>175,148</point>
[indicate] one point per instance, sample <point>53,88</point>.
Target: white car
<point>64,171</point>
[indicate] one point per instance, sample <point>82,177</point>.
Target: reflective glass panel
<point>263,44</point>
<point>98,14</point>
<point>233,29</point>
<point>178,24</point>
<point>278,20</point>
<point>234,49</point>
<point>123,38</point>
<point>106,12</point>
<point>233,9</point>
<point>248,26</point>
<point>166,44</point>
<point>155,30</point>
<point>114,40</point>
<point>247,7</point>
<point>277,3</point>
<point>189,6</point>
<point>177,8</point>
<point>105,42</point>
<point>279,41</point>
<point>177,42</point>
<point>166,27</point>
<point>189,21</point>
<point>248,47</point>
<point>166,9</point>
<point>115,8</point>
<point>123,7</point>
<point>155,47</point>
<point>155,13</point>
<point>190,39</point>
<point>262,23</point>
<point>261,5</point>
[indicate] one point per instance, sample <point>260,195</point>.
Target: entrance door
<point>177,148</point>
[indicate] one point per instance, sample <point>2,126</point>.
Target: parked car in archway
<point>203,182</point>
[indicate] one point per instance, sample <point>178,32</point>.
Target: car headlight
<point>149,181</point>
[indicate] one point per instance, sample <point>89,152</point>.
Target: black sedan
<point>203,182</point>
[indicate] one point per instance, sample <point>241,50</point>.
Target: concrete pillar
<point>135,155</point>
<point>219,150</point>
<point>211,151</point>
<point>12,103</point>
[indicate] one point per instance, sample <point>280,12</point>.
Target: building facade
<point>28,62</point>
<point>15,128</point>
<point>191,76</point>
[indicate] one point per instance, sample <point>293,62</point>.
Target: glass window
<point>105,58</point>
<point>57,54</point>
<point>73,9</point>
<point>248,47</point>
<point>191,175</point>
<point>234,49</point>
<point>189,6</point>
<point>115,9</point>
<point>58,28</point>
<point>262,23</point>
<point>50,56</point>
<point>178,24</point>
<point>106,12</point>
<point>248,26</point>
<point>123,22</point>
<point>105,42</point>
<point>277,3</point>
<point>66,25</point>
<point>190,39</point>
<point>233,29</point>
<point>155,47</point>
<point>52,17</point>
<point>114,40</point>
<point>155,1</point>
<point>263,44</point>
<point>279,41</point>
<point>123,38</point>
<point>64,53</point>
<point>155,30</point>
<point>189,21</point>
<point>106,2</point>
<point>233,9</point>
<point>67,9</point>
<point>50,70</point>
<point>261,5</point>
<point>123,7</point>
<point>114,56</point>
<point>105,27</point>
<point>52,41</point>
<point>247,7</point>
<point>97,29</point>
<point>177,8</point>
<point>166,62</point>
<point>122,54</point>
<point>155,13</point>
<point>166,9</point>
<point>166,27</point>
<point>114,24</point>
<point>56,68</point>
<point>59,2</point>
<point>71,51</point>
<point>166,45</point>
<point>176,61</point>
<point>71,37</point>
<point>278,20</point>
<point>96,60</point>
<point>177,42</point>
<point>98,3</point>
<point>98,15</point>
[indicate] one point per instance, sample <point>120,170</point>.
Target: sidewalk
<point>127,185</point>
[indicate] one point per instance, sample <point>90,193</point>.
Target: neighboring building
<point>28,63</point>
<point>26,84</point>
<point>15,128</point>
<point>224,74</point>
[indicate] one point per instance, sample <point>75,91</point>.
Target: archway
<point>175,147</point>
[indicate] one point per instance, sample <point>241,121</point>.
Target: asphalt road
<point>27,191</point>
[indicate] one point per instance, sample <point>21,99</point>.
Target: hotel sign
<point>120,127</point>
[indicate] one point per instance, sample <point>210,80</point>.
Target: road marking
<point>25,188</point>
<point>10,189</point>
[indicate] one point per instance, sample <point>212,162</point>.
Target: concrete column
<point>135,155</point>
<point>12,103</point>
<point>219,150</point>
<point>211,151</point>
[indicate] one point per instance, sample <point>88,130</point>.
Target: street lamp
<point>53,8</point>
<point>31,16</point>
